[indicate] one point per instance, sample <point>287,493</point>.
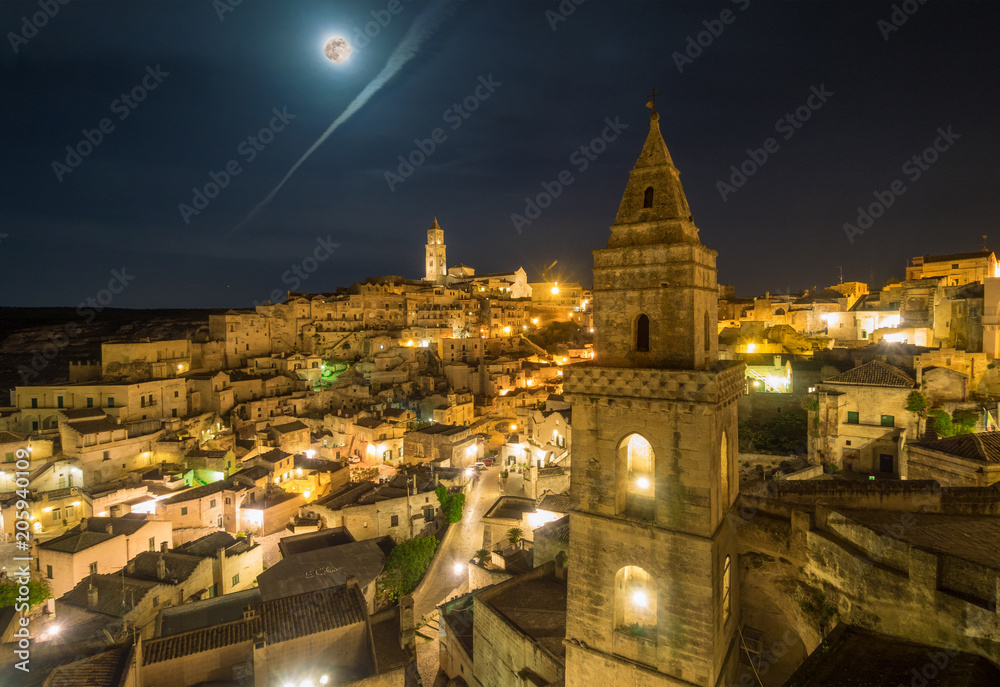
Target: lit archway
<point>638,461</point>
<point>635,602</point>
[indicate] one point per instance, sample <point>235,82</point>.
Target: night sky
<point>554,86</point>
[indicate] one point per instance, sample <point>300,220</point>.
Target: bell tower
<point>435,264</point>
<point>653,596</point>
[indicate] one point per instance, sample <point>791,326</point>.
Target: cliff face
<point>38,344</point>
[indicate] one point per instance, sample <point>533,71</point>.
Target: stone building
<point>653,590</point>
<point>98,546</point>
<point>859,420</point>
<point>966,460</point>
<point>958,268</point>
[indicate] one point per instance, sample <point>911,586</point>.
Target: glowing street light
<point>458,568</point>
<point>751,348</point>
<point>639,598</point>
<point>642,483</point>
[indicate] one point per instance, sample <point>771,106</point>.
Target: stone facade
<point>653,594</point>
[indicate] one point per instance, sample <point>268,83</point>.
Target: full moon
<point>337,49</point>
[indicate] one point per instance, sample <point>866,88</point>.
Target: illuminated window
<point>636,457</point>
<point>647,198</point>
<point>642,334</point>
<point>726,585</point>
<point>635,602</point>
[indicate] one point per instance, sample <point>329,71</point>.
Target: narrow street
<point>462,540</point>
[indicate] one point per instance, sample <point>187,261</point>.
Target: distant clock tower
<point>436,265</point>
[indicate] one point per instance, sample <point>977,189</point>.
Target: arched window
<point>726,586</point>
<point>708,332</point>
<point>642,334</point>
<point>647,198</point>
<point>635,602</point>
<point>724,471</point>
<point>637,459</point>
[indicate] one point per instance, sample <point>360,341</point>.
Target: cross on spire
<point>652,99</point>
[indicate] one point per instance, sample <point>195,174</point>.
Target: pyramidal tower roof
<point>654,208</point>
<point>435,225</point>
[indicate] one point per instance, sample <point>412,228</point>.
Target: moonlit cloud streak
<point>422,29</point>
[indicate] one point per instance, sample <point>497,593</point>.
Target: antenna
<point>841,273</point>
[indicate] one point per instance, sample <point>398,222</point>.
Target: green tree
<point>481,555</point>
<point>514,535</point>
<point>916,402</point>
<point>451,504</point>
<point>405,566</point>
<point>38,591</point>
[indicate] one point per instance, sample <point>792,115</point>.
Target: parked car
<point>354,459</point>
<point>488,462</point>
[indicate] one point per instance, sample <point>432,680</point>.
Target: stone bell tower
<point>653,595</point>
<point>436,265</point>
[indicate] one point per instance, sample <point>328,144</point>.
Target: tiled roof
<point>289,427</point>
<point>178,566</point>
<point>555,503</point>
<point>982,446</point>
<point>82,413</point>
<point>874,373</point>
<point>102,670</point>
<point>198,492</point>
<point>207,639</point>
<point>11,437</point>
<point>557,529</point>
<point>94,531</point>
<point>115,594</point>
<point>312,612</point>
<point>95,426</point>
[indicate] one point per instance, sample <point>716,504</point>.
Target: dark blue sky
<point>782,229</point>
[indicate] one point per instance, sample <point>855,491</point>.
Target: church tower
<point>436,265</point>
<point>653,596</point>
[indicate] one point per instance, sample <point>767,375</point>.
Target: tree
<point>481,555</point>
<point>960,422</point>
<point>451,504</point>
<point>405,566</point>
<point>514,535</point>
<point>916,402</point>
<point>38,591</point>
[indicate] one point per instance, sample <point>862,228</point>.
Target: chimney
<point>83,524</point>
<point>161,568</point>
<point>250,538</point>
<point>91,598</point>
<point>131,566</point>
<point>163,547</point>
<point>352,582</point>
<point>110,529</point>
